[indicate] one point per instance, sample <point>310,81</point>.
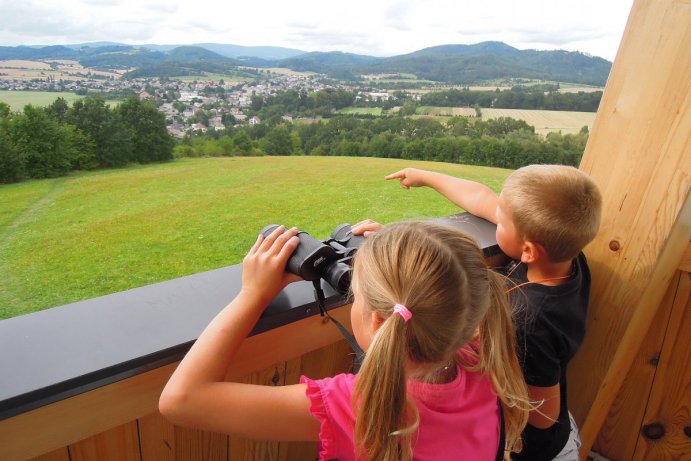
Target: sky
<point>371,27</point>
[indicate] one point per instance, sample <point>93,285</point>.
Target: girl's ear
<point>375,321</point>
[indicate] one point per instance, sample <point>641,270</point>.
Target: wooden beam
<point>638,154</point>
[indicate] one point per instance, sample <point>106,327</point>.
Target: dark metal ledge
<point>61,352</point>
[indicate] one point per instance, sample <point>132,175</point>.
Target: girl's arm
<point>473,197</point>
<point>197,395</point>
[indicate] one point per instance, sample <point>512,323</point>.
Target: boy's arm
<point>547,413</point>
<point>474,197</point>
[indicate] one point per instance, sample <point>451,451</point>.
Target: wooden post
<point>640,157</point>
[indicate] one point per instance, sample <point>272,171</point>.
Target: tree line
<point>502,142</point>
<point>324,103</point>
<point>48,142</point>
<point>515,99</point>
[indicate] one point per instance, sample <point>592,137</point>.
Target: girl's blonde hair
<point>441,276</point>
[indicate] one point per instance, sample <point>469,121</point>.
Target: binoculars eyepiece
<point>330,259</point>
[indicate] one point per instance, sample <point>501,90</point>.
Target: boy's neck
<point>548,273</point>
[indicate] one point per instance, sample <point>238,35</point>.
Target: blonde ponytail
<point>381,424</point>
<point>440,275</point>
<point>498,359</point>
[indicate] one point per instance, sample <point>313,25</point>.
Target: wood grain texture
<point>120,443</point>
<point>61,454</point>
<point>247,449</point>
<point>195,445</point>
<point>156,438</point>
<point>619,434</point>
<point>638,154</point>
<point>670,399</point>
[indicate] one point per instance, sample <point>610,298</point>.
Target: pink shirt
<point>458,420</point>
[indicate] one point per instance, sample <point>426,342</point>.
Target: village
<point>192,106</point>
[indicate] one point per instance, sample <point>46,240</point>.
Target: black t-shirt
<point>550,326</point>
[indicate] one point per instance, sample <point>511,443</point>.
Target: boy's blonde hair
<point>440,275</point>
<point>556,206</point>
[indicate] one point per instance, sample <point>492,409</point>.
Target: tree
<point>58,109</point>
<point>112,138</point>
<point>81,147</point>
<point>12,164</point>
<point>39,139</point>
<point>242,142</point>
<point>151,141</point>
<point>278,141</point>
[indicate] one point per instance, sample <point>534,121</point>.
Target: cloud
<point>381,28</point>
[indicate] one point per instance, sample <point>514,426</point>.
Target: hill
<point>458,64</point>
<point>469,64</point>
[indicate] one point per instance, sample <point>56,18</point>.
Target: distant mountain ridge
<point>460,64</point>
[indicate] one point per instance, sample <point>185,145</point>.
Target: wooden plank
<point>247,449</point>
<point>645,311</point>
<point>156,438</point>
<point>638,155</point>
<point>118,444</point>
<point>670,401</point>
<point>53,426</point>
<point>685,264</point>
<point>619,434</point>
<point>194,445</point>
<point>61,454</point>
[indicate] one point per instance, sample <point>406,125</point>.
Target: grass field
<point>18,99</point>
<point>361,111</point>
<point>90,234</point>
<point>546,121</point>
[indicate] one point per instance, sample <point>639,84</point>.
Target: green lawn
<point>90,234</point>
<point>361,111</point>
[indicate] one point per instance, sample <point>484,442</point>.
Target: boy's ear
<point>531,252</point>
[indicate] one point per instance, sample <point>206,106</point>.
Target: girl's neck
<point>441,375</point>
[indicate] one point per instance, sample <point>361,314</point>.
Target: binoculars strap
<point>319,297</point>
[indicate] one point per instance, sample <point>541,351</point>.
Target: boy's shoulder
<point>566,302</point>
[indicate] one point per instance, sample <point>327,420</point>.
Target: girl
<point>439,342</point>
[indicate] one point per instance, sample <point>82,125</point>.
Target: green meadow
<point>18,99</point>
<point>90,234</point>
<point>361,111</point>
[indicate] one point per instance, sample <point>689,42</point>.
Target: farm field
<point>446,111</point>
<point>56,68</point>
<point>18,99</point>
<point>90,234</point>
<point>361,110</point>
<point>546,121</point>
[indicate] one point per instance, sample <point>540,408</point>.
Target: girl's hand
<point>366,227</point>
<point>409,177</point>
<point>263,269</point>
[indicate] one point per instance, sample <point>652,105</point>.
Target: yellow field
<point>65,70</point>
<point>546,121</point>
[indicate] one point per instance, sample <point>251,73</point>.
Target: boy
<point>545,215</point>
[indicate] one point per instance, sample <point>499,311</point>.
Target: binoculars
<point>330,259</point>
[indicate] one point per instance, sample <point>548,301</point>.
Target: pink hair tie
<point>403,311</point>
